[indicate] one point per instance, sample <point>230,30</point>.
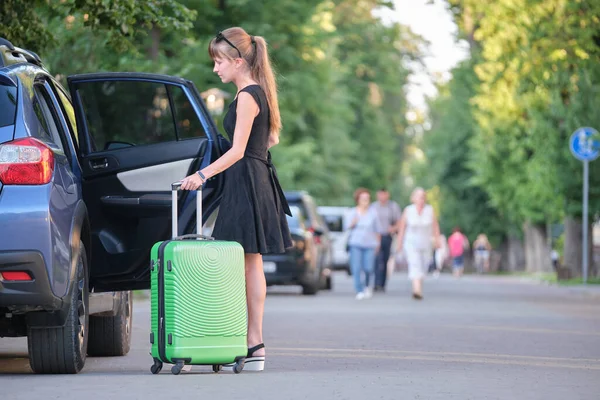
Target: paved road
<point>475,338</point>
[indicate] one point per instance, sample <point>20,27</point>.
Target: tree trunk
<point>155,44</point>
<point>537,250</point>
<point>572,255</point>
<point>512,255</point>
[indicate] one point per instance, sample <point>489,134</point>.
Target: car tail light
<point>26,162</point>
<point>316,237</point>
<point>16,276</point>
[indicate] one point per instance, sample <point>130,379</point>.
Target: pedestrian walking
<point>388,213</point>
<point>482,249</point>
<point>418,234</point>
<point>364,241</point>
<point>253,207</point>
<point>458,243</point>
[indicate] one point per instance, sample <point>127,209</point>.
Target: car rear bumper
<point>27,295</point>
<point>288,271</point>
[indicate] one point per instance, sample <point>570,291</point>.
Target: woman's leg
<point>256,291</point>
<point>355,261</point>
<point>368,265</point>
<point>423,261</point>
<point>417,286</point>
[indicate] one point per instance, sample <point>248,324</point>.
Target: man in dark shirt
<point>388,213</point>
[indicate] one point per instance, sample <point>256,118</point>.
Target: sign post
<point>585,146</point>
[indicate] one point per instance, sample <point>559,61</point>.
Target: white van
<point>334,217</point>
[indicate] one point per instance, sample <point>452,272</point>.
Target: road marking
<point>433,353</point>
<point>442,357</point>
<point>524,330</point>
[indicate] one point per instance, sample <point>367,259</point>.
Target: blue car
<point>85,179</point>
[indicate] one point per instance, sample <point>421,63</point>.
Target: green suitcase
<point>198,300</point>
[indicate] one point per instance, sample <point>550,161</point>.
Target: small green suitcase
<point>198,300</point>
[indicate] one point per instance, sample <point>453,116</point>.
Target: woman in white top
<point>417,233</point>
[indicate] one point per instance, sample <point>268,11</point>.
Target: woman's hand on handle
<point>192,182</point>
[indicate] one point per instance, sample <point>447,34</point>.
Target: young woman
<point>418,231</point>
<point>482,249</point>
<point>364,241</point>
<point>253,207</point>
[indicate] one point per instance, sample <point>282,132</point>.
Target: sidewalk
<point>588,291</point>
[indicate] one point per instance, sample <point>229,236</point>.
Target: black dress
<point>253,206</point>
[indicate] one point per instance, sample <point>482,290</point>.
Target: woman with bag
<point>363,242</point>
<point>253,207</point>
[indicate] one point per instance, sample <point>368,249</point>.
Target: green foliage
<point>539,83</point>
<point>118,21</point>
<point>498,147</point>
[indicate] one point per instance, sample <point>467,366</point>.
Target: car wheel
<point>310,288</point>
<point>110,336</point>
<point>62,350</point>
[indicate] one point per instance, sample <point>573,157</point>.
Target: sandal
<point>255,363</point>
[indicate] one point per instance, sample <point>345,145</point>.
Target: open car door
<point>138,133</point>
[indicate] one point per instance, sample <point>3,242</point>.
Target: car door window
<point>334,223</point>
<point>186,119</point>
<point>136,113</point>
<point>8,105</point>
<point>46,114</point>
<point>70,113</point>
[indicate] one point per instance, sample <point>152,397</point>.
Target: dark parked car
<point>317,226</point>
<point>298,266</point>
<point>84,193</point>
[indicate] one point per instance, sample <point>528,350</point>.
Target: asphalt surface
<point>473,338</point>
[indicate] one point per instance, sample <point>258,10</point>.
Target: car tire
<point>310,289</point>
<point>110,336</point>
<point>62,350</point>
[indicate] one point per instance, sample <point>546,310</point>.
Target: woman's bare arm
<point>246,111</point>
<point>436,232</point>
<point>401,229</point>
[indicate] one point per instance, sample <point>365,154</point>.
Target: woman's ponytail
<point>235,42</point>
<point>263,73</point>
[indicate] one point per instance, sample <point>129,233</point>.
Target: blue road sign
<point>585,144</point>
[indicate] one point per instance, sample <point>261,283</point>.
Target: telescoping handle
<point>174,229</point>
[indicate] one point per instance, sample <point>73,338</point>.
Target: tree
<point>538,76</point>
<point>25,21</point>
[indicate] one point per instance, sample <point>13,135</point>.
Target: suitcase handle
<point>194,236</point>
<point>175,186</point>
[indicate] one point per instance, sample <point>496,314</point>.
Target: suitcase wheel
<point>217,368</point>
<point>176,369</point>
<point>157,366</point>
<point>238,366</point>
